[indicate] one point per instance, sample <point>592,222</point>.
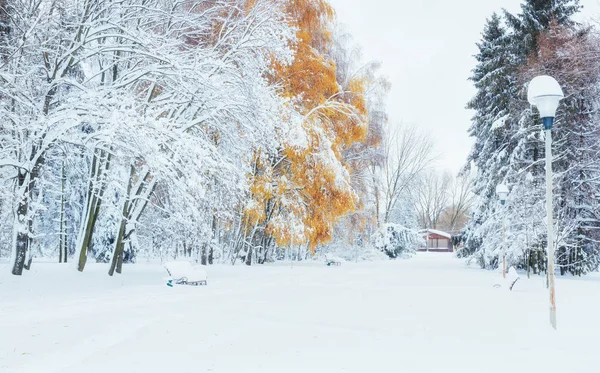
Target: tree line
<point>509,142</point>
<point>227,131</point>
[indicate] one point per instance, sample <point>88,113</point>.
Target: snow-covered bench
<point>333,260</point>
<point>183,273</point>
<point>512,276</point>
<point>509,282</point>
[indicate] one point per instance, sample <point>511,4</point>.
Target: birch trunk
<point>21,235</point>
<point>62,255</point>
<point>96,188</point>
<point>133,208</point>
<point>118,251</point>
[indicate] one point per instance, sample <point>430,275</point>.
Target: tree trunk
<point>249,257</point>
<point>263,245</point>
<point>119,269</point>
<point>24,223</point>
<point>132,210</point>
<point>21,247</point>
<point>61,240</point>
<point>376,192</point>
<point>66,248</point>
<point>90,223</point>
<point>119,245</point>
<point>96,189</point>
<point>213,242</point>
<point>528,256</point>
<point>21,227</point>
<point>27,265</point>
<point>239,245</point>
<point>243,243</point>
<point>26,183</point>
<point>204,255</point>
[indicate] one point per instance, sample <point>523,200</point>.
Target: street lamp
<point>545,93</point>
<point>502,192</point>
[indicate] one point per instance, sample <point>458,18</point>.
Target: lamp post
<point>545,93</point>
<point>502,192</point>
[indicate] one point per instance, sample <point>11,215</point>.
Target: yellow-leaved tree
<point>302,190</point>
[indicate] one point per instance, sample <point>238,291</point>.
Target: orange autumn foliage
<point>313,18</point>
<point>311,77</point>
<point>300,193</point>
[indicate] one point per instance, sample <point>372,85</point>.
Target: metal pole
<point>549,211</point>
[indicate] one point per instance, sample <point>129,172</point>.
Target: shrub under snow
<point>397,241</point>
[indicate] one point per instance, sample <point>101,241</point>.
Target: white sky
<point>427,49</point>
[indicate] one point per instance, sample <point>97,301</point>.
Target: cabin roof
<point>439,233</point>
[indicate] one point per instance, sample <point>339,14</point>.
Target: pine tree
<point>526,173</point>
<point>508,138</point>
<point>535,17</point>
<point>493,78</point>
<point>567,54</point>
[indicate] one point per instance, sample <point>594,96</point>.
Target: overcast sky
<point>427,49</point>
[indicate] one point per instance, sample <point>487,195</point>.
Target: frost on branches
<point>159,129</point>
<point>509,141</point>
<point>397,241</point>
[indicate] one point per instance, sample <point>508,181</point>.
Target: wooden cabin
<point>437,241</point>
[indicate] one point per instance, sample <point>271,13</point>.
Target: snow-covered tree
<point>570,55</point>
<point>509,146</point>
<point>491,125</point>
<point>535,17</point>
<point>397,241</point>
<point>157,128</point>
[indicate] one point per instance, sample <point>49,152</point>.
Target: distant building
<point>437,241</point>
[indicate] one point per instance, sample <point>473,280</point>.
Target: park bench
<point>332,261</point>
<point>183,273</point>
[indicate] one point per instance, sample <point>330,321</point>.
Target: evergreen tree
<point>567,54</point>
<point>494,79</point>
<point>509,145</point>
<point>526,172</point>
<point>535,17</point>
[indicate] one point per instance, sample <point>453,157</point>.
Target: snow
<point>181,269</point>
<point>543,86</point>
<point>334,258</point>
<point>431,313</point>
<point>397,241</point>
<point>500,122</point>
<point>512,275</point>
<point>440,233</point>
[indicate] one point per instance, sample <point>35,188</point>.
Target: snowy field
<point>427,314</point>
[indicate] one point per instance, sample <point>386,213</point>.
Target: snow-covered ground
<point>427,314</point>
